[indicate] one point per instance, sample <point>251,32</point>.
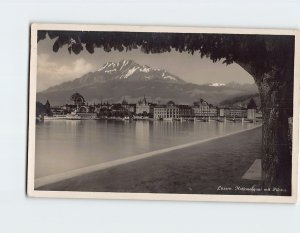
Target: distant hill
<point>247,87</point>
<point>241,101</point>
<point>114,81</point>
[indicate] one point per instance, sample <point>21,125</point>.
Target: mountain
<point>124,70</point>
<point>241,101</point>
<point>248,87</point>
<point>114,81</point>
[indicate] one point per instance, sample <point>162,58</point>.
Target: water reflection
<point>63,145</point>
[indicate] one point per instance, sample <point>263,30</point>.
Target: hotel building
<point>201,108</point>
<point>171,111</point>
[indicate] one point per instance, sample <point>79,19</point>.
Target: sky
<point>55,68</point>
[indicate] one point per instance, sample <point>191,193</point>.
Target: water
<point>63,145</point>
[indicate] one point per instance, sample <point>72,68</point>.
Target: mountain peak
<point>129,69</point>
<point>217,84</point>
<point>123,70</point>
<point>110,66</point>
<point>126,62</point>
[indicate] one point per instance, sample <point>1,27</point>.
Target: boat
<point>126,118</point>
<point>73,116</point>
<point>55,117</point>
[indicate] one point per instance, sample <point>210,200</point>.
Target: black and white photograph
<point>163,113</point>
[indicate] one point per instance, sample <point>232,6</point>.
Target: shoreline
<point>51,179</point>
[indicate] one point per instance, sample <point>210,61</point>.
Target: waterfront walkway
<point>198,169</point>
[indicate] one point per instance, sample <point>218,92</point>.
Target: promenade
<point>204,168</point>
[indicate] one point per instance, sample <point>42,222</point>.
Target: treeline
<point>43,109</point>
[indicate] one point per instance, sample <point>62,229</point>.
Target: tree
<point>40,109</point>
<point>48,111</point>
<point>144,114</point>
<point>109,114</point>
<point>269,59</point>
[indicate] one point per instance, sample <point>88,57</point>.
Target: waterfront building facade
<point>143,106</point>
<point>171,111</point>
<point>185,111</point>
<point>145,109</point>
<point>78,99</point>
<point>236,112</point>
<point>159,112</point>
<point>130,108</point>
<point>201,108</point>
<point>213,111</point>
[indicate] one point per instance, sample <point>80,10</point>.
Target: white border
<point>147,196</point>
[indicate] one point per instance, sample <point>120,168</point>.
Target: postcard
<point>163,113</point>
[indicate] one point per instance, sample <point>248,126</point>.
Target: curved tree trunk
<point>276,92</point>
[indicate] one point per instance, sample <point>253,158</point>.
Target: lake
<point>63,145</point>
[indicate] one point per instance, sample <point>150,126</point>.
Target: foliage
<point>40,109</point>
<point>264,52</point>
<point>43,109</point>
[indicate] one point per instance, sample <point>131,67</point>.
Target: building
<point>239,112</point>
<point>213,111</point>
<point>185,111</point>
<point>221,112</point>
<point>130,108</point>
<point>143,106</point>
<point>103,109</point>
<point>201,108</point>
<point>159,112</point>
<point>235,112</point>
<point>171,111</point>
<point>251,109</point>
<point>78,99</point>
<point>83,109</point>
<point>58,111</point>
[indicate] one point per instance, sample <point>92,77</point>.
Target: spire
<point>252,104</point>
<point>124,102</point>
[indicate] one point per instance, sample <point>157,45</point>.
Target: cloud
<point>50,72</point>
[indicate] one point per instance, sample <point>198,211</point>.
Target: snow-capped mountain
<point>128,69</point>
<point>217,84</point>
<point>124,70</point>
<point>114,81</point>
